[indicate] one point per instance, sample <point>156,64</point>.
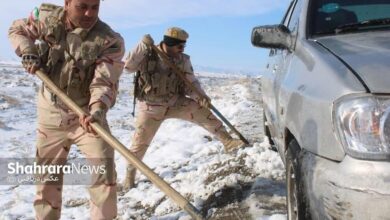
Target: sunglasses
<point>181,46</point>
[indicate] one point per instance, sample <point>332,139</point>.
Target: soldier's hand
<point>204,102</point>
<point>31,62</point>
<point>97,114</point>
<point>148,40</point>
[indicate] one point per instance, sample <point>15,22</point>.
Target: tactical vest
<point>70,57</point>
<point>156,83</point>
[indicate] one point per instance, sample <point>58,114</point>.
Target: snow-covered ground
<point>248,184</point>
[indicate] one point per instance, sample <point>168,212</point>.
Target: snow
<point>247,184</point>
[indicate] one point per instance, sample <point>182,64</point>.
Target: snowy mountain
<point>248,184</point>
<point>223,71</point>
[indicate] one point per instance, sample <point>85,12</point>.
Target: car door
<point>282,66</point>
<point>269,78</point>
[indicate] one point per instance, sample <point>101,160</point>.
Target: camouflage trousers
<point>58,129</point>
<point>150,117</point>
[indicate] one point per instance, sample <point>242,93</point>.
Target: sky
<point>219,30</point>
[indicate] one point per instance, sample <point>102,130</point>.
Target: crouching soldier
<point>162,95</point>
<point>82,56</point>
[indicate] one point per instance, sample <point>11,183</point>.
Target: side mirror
<point>272,36</point>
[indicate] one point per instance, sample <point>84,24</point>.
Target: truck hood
<point>367,53</point>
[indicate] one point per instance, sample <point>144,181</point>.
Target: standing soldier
<point>162,95</point>
<point>82,56</point>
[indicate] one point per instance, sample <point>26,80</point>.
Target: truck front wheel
<point>296,199</point>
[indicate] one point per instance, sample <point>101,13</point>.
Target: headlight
<point>363,125</point>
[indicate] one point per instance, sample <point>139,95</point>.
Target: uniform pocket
<point>153,110</point>
<point>49,117</point>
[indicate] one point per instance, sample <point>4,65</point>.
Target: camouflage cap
<point>177,33</point>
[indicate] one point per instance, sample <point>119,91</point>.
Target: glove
<point>31,62</point>
<point>204,102</point>
<point>148,40</point>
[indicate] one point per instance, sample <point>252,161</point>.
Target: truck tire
<point>296,197</point>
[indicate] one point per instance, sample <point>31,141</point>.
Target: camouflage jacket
<point>86,64</point>
<point>160,85</point>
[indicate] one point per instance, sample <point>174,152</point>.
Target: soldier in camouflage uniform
<point>82,56</point>
<point>162,95</point>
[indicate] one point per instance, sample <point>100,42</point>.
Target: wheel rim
<point>292,199</point>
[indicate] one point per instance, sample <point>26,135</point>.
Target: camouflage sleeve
<point>23,33</point>
<point>135,57</point>
<point>189,71</point>
<point>109,67</point>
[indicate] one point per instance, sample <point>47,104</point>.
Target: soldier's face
<point>174,51</point>
<point>82,13</point>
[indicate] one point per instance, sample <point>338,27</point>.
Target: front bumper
<point>350,189</point>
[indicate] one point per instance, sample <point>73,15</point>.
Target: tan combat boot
<point>129,181</point>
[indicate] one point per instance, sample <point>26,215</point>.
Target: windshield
<point>333,17</point>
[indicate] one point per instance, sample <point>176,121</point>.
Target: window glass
<point>294,20</point>
<point>287,16</point>
<point>337,16</point>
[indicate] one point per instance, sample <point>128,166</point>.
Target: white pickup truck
<point>326,95</point>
